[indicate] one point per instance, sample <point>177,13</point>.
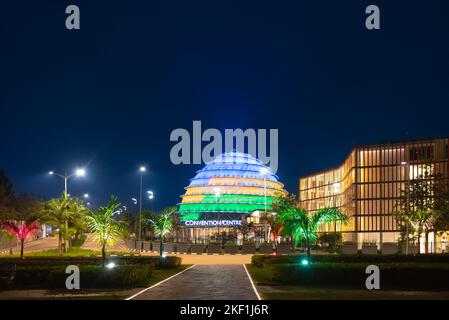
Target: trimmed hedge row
<point>392,276</point>
<point>261,260</point>
<point>167,262</point>
<point>90,276</point>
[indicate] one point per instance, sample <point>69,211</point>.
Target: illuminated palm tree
<point>162,224</point>
<point>21,230</point>
<point>104,227</point>
<point>304,226</point>
<point>65,214</point>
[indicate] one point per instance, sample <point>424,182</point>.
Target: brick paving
<point>204,282</point>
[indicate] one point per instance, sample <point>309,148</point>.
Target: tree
<point>21,230</point>
<point>128,219</point>
<point>245,229</point>
<point>275,224</point>
<point>104,227</point>
<point>304,226</point>
<point>162,224</point>
<point>62,212</point>
<point>423,205</point>
<point>7,197</point>
<point>28,207</point>
<point>282,204</point>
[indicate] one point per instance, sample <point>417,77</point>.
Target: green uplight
<point>304,262</point>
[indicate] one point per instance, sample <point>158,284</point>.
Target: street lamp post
<point>77,173</point>
<point>151,197</point>
<point>264,172</point>
<point>217,195</point>
<point>80,172</point>
<point>142,170</point>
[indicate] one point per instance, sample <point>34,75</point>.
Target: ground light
<point>110,265</point>
<point>304,262</point>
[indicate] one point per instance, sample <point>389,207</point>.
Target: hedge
<point>169,262</point>
<point>54,277</point>
<point>392,276</point>
<point>260,260</point>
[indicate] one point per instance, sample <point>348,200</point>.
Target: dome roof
<point>232,183</point>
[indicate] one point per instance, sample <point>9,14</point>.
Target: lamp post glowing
<point>79,172</point>
<point>264,172</point>
<point>217,195</point>
<point>142,170</point>
<point>151,197</point>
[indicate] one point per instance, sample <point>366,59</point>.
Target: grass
<point>297,293</point>
<point>89,294</point>
<point>274,291</point>
<point>259,275</point>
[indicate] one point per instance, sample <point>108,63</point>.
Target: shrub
<point>260,260</point>
<point>91,276</point>
<point>65,261</point>
<point>169,262</point>
<point>393,276</point>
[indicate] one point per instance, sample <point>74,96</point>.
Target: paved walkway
<point>204,282</point>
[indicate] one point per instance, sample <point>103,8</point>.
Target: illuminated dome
<point>233,183</point>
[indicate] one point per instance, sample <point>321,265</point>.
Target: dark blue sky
<point>109,94</point>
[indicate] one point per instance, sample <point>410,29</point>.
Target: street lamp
<point>151,197</point>
<point>86,195</point>
<point>79,172</point>
<point>217,195</point>
<point>142,170</point>
<point>264,171</point>
<point>407,205</point>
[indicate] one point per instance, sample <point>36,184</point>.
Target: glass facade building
<point>367,186</point>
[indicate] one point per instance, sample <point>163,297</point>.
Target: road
<point>36,245</point>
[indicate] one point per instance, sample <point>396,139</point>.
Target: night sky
<point>107,96</point>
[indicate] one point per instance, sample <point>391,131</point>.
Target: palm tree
<point>104,227</point>
<point>21,230</point>
<point>302,226</point>
<point>162,224</point>
<point>56,213</point>
<point>275,224</point>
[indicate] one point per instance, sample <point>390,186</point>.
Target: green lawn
<point>275,291</point>
<point>297,293</point>
<point>89,294</point>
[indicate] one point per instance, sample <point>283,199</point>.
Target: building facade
<point>222,195</point>
<point>368,184</point>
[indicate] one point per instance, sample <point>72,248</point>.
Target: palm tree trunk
<point>426,241</point>
<point>161,248</point>
<point>308,248</point>
<point>66,246</point>
<point>419,240</point>
<point>103,254</point>
<point>21,247</point>
<point>59,243</point>
<point>293,242</point>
